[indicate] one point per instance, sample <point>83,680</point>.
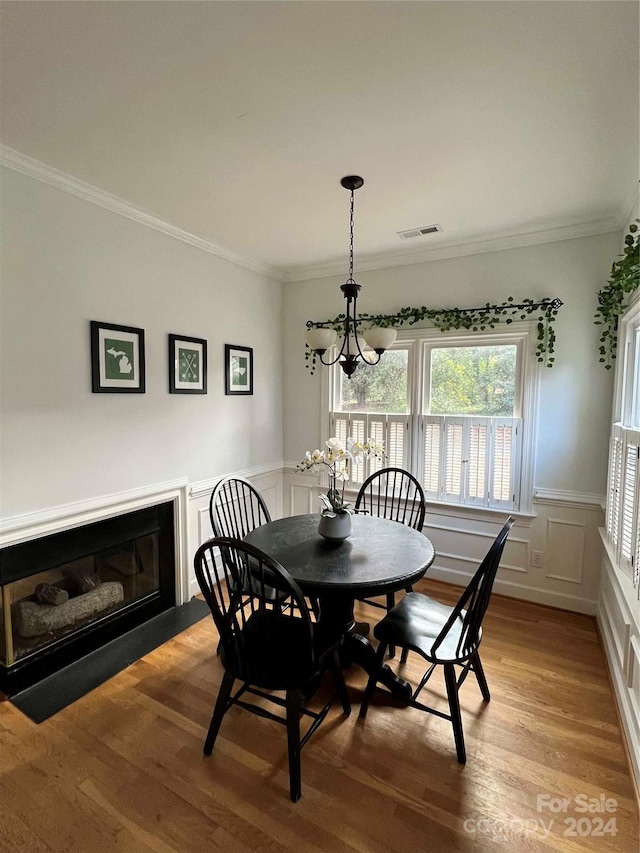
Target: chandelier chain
<point>351,239</point>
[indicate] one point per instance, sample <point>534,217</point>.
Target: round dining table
<point>379,557</point>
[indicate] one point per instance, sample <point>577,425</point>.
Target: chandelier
<point>378,339</point>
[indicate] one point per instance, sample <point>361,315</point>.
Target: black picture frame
<point>187,365</point>
<point>117,359</point>
<point>238,369</point>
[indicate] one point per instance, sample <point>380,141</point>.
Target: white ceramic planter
<point>337,528</point>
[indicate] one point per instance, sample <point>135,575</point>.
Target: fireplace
<point>69,593</point>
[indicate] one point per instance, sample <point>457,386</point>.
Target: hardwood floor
<point>122,769</point>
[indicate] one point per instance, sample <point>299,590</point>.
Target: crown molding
<point>459,249</point>
<point>18,162</point>
<point>67,183</point>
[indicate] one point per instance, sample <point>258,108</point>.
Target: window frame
<point>419,343</point>
<point>622,522</point>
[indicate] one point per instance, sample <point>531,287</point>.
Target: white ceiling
<point>236,120</point>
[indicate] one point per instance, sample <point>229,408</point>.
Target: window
<point>623,492</point>
<point>374,404</point>
<point>471,431</point>
<point>450,408</point>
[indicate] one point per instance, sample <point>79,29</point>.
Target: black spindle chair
<point>444,636</point>
<point>395,494</point>
<point>236,508</point>
<point>264,647</point>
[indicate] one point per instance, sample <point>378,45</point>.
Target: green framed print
<point>117,359</point>
<point>187,365</point>
<point>238,369</point>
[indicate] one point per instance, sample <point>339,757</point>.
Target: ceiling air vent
<point>419,232</point>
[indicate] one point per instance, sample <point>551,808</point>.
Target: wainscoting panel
<point>565,550</point>
<point>619,623</point>
<point>302,499</point>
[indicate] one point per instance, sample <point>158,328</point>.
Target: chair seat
<point>415,623</point>
<point>287,658</point>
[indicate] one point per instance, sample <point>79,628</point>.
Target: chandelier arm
<point>356,338</point>
<point>326,363</point>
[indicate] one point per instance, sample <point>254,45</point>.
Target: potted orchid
<point>335,519</point>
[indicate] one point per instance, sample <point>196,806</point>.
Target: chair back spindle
<point>395,494</point>
<point>250,630</point>
<point>236,508</point>
<point>474,601</point>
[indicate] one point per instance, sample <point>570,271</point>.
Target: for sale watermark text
<point>579,816</point>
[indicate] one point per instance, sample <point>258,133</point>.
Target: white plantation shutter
<point>358,431</point>
<point>387,430</point>
<point>432,428</point>
<point>452,452</point>
<point>340,428</point>
<point>396,442</point>
<point>505,451</point>
<point>477,468</point>
<point>615,483</point>
<point>377,433</point>
<point>629,500</point>
<point>623,486</point>
<point>471,460</point>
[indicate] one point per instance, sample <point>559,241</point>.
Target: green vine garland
<point>474,319</point>
<point>612,300</point>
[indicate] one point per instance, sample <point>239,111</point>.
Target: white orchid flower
<point>356,449</point>
<point>373,449</point>
<point>342,474</point>
<point>336,448</point>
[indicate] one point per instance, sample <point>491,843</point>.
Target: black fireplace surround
<point>118,573</point>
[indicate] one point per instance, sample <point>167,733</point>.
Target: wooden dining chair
<point>395,494</point>
<point>269,647</point>
<point>236,508</point>
<point>444,636</point>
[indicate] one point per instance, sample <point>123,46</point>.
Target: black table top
<point>380,555</point>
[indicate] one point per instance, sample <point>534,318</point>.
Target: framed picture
<point>117,359</point>
<point>238,369</point>
<point>187,365</point>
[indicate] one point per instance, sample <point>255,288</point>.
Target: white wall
<point>65,262</point>
<point>573,420</point>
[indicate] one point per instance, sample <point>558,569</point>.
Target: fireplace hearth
<point>69,593</point>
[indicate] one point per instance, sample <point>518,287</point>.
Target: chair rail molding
<point>203,488</point>
<point>581,500</point>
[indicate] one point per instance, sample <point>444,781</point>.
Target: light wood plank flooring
<point>122,769</point>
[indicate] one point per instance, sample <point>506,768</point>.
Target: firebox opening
<point>67,594</point>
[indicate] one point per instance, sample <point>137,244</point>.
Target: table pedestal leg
<point>336,615</point>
